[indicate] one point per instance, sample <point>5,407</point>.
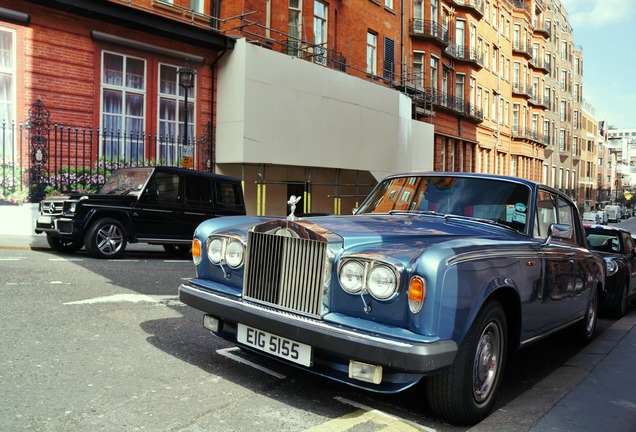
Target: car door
<point>157,214</point>
<point>556,298</point>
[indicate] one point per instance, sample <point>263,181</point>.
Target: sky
<point>606,30</point>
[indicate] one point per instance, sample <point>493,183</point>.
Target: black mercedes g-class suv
<point>155,205</point>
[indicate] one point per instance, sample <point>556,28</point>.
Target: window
<point>564,79</point>
<point>486,103</point>
<point>487,56</point>
<point>434,67</point>
<point>294,27</point>
<point>196,5</point>
<point>562,110</point>
<point>7,78</point>
<point>320,32</point>
<point>388,4</point>
<point>172,114</point>
<point>372,43</point>
<point>562,139</point>
<point>123,88</point>
<point>515,118</point>
<point>564,50</point>
<point>459,92</point>
<point>389,59</point>
<point>434,11</point>
<point>419,69</point>
<point>516,75</point>
<point>552,209</point>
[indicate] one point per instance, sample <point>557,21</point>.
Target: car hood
<point>357,230</point>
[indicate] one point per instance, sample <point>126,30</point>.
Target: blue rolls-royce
<point>436,275</point>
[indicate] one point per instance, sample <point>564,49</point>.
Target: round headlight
<point>382,282</point>
<point>612,267</point>
<point>351,277</point>
<point>234,253</point>
<point>72,207</point>
<point>215,249</point>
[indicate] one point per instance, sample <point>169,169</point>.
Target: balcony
<point>457,105</point>
<point>476,6</point>
<point>428,30</point>
<point>522,49</point>
<point>521,4</point>
<point>540,65</point>
<point>540,102</point>
<point>521,90</point>
<point>542,29</point>
<point>530,135</point>
<point>464,53</point>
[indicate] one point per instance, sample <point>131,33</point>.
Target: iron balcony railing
<point>476,5</point>
<point>455,104</point>
<point>465,53</point>
<point>426,28</point>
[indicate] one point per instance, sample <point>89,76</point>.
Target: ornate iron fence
<point>38,158</point>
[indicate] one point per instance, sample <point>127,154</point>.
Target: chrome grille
<point>285,271</point>
<point>53,208</point>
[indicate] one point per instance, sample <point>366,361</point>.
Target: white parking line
<point>226,352</point>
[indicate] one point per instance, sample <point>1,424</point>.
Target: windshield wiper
<point>483,220</point>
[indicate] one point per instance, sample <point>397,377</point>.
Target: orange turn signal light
<point>417,289</point>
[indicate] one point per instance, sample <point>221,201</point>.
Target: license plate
<point>276,345</point>
<point>44,219</point>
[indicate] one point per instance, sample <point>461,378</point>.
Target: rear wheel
<point>584,330</point>
<point>106,238</point>
<point>465,392</point>
<point>63,245</point>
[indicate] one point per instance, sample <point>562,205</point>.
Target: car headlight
<point>234,253</point>
<point>382,282</point>
<point>611,266</point>
<point>215,250</point>
<point>351,277</point>
<point>225,250</point>
<point>379,279</point>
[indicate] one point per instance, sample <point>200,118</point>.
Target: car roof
<point>605,228</point>
<point>179,170</point>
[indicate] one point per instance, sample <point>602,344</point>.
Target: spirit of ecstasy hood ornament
<point>293,200</point>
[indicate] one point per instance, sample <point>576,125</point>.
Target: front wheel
<point>620,308</point>
<point>63,245</point>
<point>465,392</point>
<point>585,330</point>
<point>106,238</point>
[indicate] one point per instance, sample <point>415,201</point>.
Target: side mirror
<point>559,231</point>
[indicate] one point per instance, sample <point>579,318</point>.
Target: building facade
<point>308,97</point>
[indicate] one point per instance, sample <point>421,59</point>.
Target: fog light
<point>211,323</point>
<point>365,372</point>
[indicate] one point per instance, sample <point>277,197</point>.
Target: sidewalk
<point>594,391</point>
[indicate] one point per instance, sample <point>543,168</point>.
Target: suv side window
<point>167,187</point>
<point>198,190</point>
<point>229,193</point>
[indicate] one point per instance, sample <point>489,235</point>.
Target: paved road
<point>105,345</point>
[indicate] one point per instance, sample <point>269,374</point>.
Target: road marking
<point>226,352</point>
<point>66,259</point>
<point>11,259</point>
<point>131,298</point>
<point>372,419</point>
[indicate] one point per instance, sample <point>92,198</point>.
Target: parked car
<point>591,217</point>
<point>613,213</point>
<point>156,205</point>
<point>618,249</point>
<point>431,277</point>
<point>603,218</point>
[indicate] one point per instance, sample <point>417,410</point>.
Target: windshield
<point>499,201</point>
<point>124,182</point>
